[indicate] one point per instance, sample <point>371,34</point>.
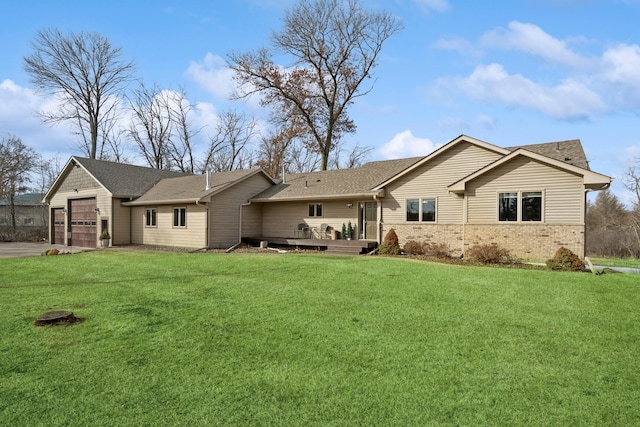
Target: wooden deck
<point>354,247</point>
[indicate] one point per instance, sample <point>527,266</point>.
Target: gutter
<point>373,195</point>
<point>162,202</point>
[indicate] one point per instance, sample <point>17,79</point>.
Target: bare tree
<point>632,182</point>
<point>355,158</point>
<point>83,70</point>
<point>180,146</point>
<point>16,163</point>
<point>610,227</point>
<point>229,147</point>
<point>334,45</point>
<point>151,124</point>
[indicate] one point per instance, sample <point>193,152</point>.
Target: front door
<point>369,220</point>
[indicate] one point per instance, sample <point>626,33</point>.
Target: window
<point>179,217</point>
<point>428,210</point>
<point>421,210</point>
<point>532,206</point>
<point>508,207</point>
<point>315,209</point>
<point>27,221</point>
<point>413,206</point>
<point>152,217</point>
<point>520,206</point>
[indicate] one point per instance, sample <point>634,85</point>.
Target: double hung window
<point>179,217</point>
<point>315,209</point>
<point>151,217</point>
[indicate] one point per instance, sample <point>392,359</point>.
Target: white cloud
<point>19,108</point>
<point>437,5</point>
<point>531,39</point>
<point>568,100</point>
<point>212,75</point>
<point>454,125</point>
<point>488,122</point>
<point>621,64</point>
<point>460,45</point>
<point>405,144</point>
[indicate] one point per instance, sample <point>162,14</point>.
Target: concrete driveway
<point>21,249</point>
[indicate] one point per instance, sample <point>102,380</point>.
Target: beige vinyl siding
<point>77,178</point>
<point>282,219</point>
<point>120,224</point>
<point>224,215</point>
<point>165,234</point>
<point>432,180</point>
<point>563,192</point>
<point>252,220</point>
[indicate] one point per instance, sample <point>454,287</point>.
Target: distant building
<point>29,211</point>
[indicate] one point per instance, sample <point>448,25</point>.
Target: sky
<point>513,73</point>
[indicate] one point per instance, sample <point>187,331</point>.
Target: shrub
<point>414,248</point>
<point>390,244</point>
<point>565,260</point>
<point>437,250</point>
<point>488,254</point>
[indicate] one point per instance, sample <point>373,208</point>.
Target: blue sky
<point>516,72</point>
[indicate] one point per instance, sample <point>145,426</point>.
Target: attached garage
<point>83,222</point>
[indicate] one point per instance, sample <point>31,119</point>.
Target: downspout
<point>239,228</point>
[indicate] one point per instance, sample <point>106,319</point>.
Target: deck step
<point>343,250</point>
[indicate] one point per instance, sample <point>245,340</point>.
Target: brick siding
<point>526,242</point>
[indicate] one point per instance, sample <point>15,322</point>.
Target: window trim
<point>179,221</point>
<point>154,222</point>
<point>519,206</point>
<point>420,213</point>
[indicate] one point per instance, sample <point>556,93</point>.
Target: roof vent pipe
<point>208,183</point>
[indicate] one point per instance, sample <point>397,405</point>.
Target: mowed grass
<point>616,262</point>
<point>299,340</point>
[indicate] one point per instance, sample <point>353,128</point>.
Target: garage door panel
<point>83,220</point>
<point>58,226</point>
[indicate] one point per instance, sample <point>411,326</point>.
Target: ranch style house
<point>528,199</point>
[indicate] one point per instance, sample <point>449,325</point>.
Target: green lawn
<point>616,262</point>
<point>299,340</point>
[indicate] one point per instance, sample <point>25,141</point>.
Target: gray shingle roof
<point>569,151</point>
<point>336,183</point>
<point>124,180</point>
<point>27,199</point>
<point>192,187</point>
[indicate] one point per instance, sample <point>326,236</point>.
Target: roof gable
<point>592,180</point>
<point>459,140</point>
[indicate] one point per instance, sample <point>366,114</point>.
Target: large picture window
<point>520,206</point>
<point>179,217</point>
<point>151,217</point>
<point>421,210</point>
<point>315,209</point>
